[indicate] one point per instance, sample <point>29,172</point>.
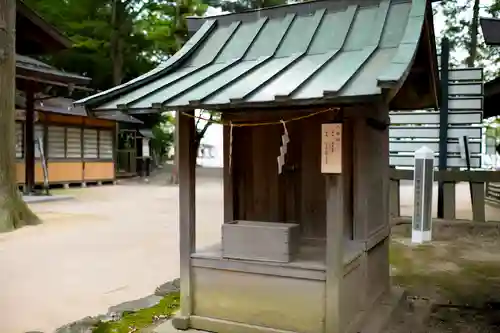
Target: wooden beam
<point>187,209</point>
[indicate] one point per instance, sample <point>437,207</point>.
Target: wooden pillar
<point>174,178</point>
<point>187,212</point>
<point>228,175</point>
<point>394,201</point>
<point>449,209</point>
<point>478,206</point>
<point>115,150</point>
<point>29,141</point>
<point>338,214</point>
<point>82,148</point>
<point>361,162</point>
<point>372,204</point>
<point>334,250</point>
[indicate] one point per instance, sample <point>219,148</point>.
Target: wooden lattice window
<point>90,143</point>
<point>73,142</point>
<point>56,142</point>
<point>106,144</point>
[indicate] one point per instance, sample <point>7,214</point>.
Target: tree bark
<point>14,212</point>
<point>116,41</point>
<point>201,133</point>
<point>473,35</point>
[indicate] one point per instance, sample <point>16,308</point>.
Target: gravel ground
<point>109,245</point>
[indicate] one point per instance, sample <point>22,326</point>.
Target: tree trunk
<point>14,213</point>
<point>473,35</point>
<point>174,178</point>
<point>200,134</point>
<point>116,41</point>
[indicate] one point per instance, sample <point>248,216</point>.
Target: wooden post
<point>46,145</point>
<point>443,121</point>
<point>478,206</point>
<point>228,175</point>
<point>394,195</point>
<point>337,214</point>
<point>334,251</point>
<point>115,151</point>
<point>82,149</point>
<point>361,195</point>
<point>29,141</point>
<point>174,177</point>
<point>361,158</point>
<point>187,212</point>
<point>449,206</point>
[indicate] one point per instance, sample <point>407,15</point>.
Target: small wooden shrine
<point>77,148</point>
<point>35,37</point>
<point>304,91</point>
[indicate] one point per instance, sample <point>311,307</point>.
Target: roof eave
<point>492,87</point>
<point>435,67</point>
<point>63,78</point>
<point>170,64</point>
<point>489,38</point>
<point>276,104</point>
<point>56,35</point>
<point>397,73</point>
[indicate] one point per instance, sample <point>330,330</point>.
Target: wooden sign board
<point>331,148</point>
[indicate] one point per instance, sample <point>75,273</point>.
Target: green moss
<point>397,256</point>
<point>142,318</point>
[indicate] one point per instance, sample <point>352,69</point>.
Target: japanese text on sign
<point>331,146</point>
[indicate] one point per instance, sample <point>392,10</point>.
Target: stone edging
<point>115,313</point>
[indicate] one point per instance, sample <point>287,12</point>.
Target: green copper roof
<point>310,53</point>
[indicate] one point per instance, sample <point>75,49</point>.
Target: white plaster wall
<point>213,137</point>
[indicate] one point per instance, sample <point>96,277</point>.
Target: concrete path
<point>109,245</point>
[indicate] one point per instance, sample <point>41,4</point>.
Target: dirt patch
<point>481,256</point>
<point>459,272</point>
<point>463,319</point>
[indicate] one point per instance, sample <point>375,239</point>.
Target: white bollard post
<point>423,178</point>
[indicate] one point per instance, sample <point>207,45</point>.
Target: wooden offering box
<point>264,241</point>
